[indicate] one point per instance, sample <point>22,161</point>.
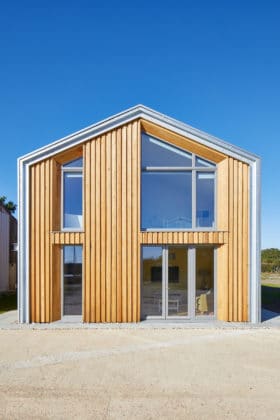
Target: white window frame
<point>78,170</point>
<point>194,170</point>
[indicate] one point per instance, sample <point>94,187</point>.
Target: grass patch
<point>8,302</point>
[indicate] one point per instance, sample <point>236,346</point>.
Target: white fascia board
<point>255,243</point>
<point>201,137</point>
<point>23,242</point>
<point>81,136</point>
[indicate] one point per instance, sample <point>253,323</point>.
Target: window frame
<point>194,170</point>
<point>76,169</point>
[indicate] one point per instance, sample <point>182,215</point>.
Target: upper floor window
<point>178,188</point>
<point>72,195</point>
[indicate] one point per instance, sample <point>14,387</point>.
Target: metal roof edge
<point>138,111</point>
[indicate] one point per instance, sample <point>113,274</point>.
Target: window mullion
<point>193,199</point>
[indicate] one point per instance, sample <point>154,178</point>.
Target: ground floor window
<point>72,280</point>
<point>177,281</point>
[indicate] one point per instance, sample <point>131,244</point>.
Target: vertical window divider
<point>191,281</point>
<point>193,193</point>
<point>164,281</point>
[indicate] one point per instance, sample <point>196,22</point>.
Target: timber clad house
<point>136,217</point>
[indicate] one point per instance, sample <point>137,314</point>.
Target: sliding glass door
<point>165,282</point>
<point>152,285</point>
<point>177,282</point>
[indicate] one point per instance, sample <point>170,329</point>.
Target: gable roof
<point>136,112</point>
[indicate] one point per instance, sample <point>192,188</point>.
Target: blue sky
<point>214,65</point>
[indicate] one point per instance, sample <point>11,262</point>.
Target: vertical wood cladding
<point>111,245</point>
<point>45,249</point>
<point>111,239</point>
<point>233,257</point>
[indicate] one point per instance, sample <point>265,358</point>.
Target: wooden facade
<point>112,238</point>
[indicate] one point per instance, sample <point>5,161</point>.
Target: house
<point>139,216</point>
<point>8,253</point>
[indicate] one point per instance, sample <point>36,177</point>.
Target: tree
<point>9,206</point>
<point>271,260</point>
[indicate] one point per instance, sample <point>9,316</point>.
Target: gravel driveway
<point>140,374</point>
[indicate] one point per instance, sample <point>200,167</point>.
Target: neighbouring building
<point>139,216</point>
<point>8,251</point>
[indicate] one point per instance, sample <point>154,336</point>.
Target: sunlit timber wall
<point>112,238</point>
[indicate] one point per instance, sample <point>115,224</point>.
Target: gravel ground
<point>140,374</point>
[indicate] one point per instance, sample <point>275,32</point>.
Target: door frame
<point>191,283</point>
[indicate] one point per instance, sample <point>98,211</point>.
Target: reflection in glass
<point>152,281</point>
<point>159,153</point>
<point>205,197</point>
<point>72,280</point>
<point>166,200</point>
<point>177,281</point>
<point>199,162</point>
<point>76,163</point>
<point>204,302</point>
<point>72,200</point>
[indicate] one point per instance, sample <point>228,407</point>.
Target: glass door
<point>152,283</point>
<point>177,282</point>
<point>205,284</point>
<point>164,282</point>
<point>72,280</point>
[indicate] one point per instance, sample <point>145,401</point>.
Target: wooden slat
<point>47,242</point>
<point>235,240</point>
<point>245,243</point>
<point>38,243</point>
<point>119,225</point>
<point>231,228</point>
<point>103,229</point>
<point>124,225</point>
<point>98,237</point>
<point>114,227</point>
<point>239,246</point>
<point>128,223</point>
<point>91,233</point>
<point>178,238</point>
<point>67,238</point>
<point>108,237</point>
<point>34,242</point>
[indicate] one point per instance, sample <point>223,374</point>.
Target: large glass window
<point>72,198</point>
<point>158,153</point>
<point>166,200</point>
<point>205,185</point>
<point>178,188</point>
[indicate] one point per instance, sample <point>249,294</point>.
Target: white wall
<point>4,250</point>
